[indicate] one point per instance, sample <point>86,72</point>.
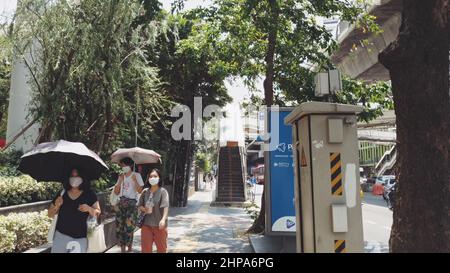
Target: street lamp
<point>327,83</point>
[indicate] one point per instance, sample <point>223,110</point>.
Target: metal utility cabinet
<point>327,190</point>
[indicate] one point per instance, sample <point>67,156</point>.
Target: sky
<point>10,5</point>
<point>188,4</point>
<point>7,7</point>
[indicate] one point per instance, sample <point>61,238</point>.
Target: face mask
<point>153,181</point>
<point>75,182</point>
<point>126,169</point>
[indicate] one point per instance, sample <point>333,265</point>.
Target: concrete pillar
<point>20,96</point>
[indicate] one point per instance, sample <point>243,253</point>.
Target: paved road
<point>377,222</point>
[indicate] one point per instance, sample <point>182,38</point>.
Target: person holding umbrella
<point>54,162</point>
<point>73,209</point>
<point>128,186</point>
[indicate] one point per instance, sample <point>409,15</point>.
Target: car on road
<point>385,180</point>
<point>367,184</point>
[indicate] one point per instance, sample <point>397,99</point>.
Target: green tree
<point>5,75</point>
<point>277,39</point>
<point>102,67</point>
<point>188,67</point>
<point>90,73</point>
<point>374,97</point>
<point>201,162</point>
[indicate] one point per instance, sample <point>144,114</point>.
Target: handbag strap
<point>123,182</point>
<point>121,187</point>
<point>160,199</point>
<point>146,196</point>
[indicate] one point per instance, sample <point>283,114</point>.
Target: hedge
<point>22,231</point>
<point>24,189</point>
<point>9,162</point>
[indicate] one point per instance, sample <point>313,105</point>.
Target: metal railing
<point>215,191</point>
<point>243,156</point>
<point>341,28</point>
<point>387,161</point>
<point>344,27</point>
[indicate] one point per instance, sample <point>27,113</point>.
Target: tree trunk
<point>447,223</point>
<point>270,54</point>
<point>183,160</point>
<point>187,173</point>
<point>179,178</point>
<point>196,180</point>
<point>45,135</point>
<point>418,62</point>
<point>260,223</point>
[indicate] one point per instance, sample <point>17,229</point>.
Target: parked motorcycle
<point>389,196</point>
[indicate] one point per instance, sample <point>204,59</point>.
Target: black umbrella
<point>53,161</point>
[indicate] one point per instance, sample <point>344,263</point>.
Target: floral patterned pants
<point>126,221</point>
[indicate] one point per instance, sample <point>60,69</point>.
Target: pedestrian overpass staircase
<point>230,184</point>
<point>387,162</point>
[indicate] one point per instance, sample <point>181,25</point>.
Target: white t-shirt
<point>128,187</point>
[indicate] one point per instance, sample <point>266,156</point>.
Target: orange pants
<point>150,235</point>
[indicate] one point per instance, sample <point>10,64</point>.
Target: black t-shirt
<point>71,221</point>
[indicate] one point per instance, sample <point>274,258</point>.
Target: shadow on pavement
<point>219,240</point>
<point>193,207</point>
<point>376,200</point>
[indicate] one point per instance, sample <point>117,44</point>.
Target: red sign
<point>2,142</point>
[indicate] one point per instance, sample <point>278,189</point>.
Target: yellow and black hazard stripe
<point>336,174</point>
<point>339,246</point>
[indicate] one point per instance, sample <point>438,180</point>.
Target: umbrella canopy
<point>138,155</point>
<point>53,161</point>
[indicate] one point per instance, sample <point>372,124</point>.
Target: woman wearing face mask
<point>73,209</point>
<point>128,186</point>
<point>154,202</point>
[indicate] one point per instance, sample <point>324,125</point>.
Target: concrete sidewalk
<point>199,228</point>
